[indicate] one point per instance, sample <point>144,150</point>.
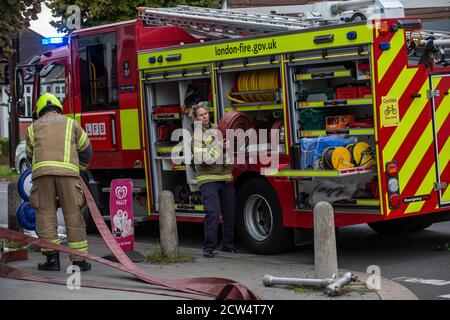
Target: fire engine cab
<point>358,94</point>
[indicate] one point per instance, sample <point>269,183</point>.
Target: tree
<point>15,15</point>
<point>94,13</point>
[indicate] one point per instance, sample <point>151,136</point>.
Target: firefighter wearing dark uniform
<point>58,148</point>
<point>215,182</point>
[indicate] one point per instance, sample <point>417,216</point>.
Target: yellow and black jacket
<point>56,145</point>
<point>206,148</point>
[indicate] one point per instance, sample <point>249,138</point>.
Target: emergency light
<point>54,40</point>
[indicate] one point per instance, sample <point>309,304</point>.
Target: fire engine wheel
<point>403,225</point>
<point>90,225</point>
<point>259,219</point>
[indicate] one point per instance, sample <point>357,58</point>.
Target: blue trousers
<point>218,197</point>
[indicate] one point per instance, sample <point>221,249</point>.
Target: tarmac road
<point>408,259</point>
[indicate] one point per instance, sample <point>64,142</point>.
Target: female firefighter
<point>214,179</point>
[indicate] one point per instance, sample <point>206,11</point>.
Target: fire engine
<point>359,94</point>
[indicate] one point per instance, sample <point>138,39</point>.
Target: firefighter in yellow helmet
<point>58,148</point>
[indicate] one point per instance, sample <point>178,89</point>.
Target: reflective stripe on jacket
<point>213,172</point>
<point>53,144</point>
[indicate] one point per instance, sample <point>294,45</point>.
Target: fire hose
<point>191,288</point>
<point>233,120</point>
<point>257,80</point>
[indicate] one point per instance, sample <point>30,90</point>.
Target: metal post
<point>168,233</point>
<point>269,280</point>
<point>14,202</point>
<point>336,287</point>
<point>13,121</point>
<point>325,256</point>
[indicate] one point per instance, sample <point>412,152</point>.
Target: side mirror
<point>47,70</point>
<point>19,84</point>
<point>20,109</point>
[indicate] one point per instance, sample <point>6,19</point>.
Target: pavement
<point>245,268</point>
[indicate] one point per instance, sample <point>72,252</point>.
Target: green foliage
<point>10,244</point>
<point>7,174</point>
<point>94,13</point>
<point>15,15</point>
<point>156,257</point>
<point>4,146</point>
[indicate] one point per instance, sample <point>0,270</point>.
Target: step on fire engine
<point>359,93</point>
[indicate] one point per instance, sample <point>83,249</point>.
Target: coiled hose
<point>257,80</point>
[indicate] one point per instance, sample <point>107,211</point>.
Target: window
<point>52,75</point>
<point>63,89</point>
<point>28,107</point>
<point>98,72</point>
<point>27,89</point>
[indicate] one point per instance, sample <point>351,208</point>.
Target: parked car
<point>22,162</point>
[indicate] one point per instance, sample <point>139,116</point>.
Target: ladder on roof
<point>220,22</point>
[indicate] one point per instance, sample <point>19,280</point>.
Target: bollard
<point>14,201</point>
<point>325,256</point>
<point>168,233</point>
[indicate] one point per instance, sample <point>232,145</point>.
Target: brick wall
<point>23,126</point>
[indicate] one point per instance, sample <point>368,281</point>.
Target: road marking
<point>433,282</point>
<point>445,296</point>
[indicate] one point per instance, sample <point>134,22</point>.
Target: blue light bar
<point>54,40</point>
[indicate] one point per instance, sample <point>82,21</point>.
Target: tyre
<point>24,165</point>
<point>403,225</point>
<point>91,228</point>
<point>259,219</point>
<point>423,223</point>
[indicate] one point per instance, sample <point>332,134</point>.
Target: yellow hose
<point>256,81</point>
<point>234,99</point>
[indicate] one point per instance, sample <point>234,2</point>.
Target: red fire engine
<point>363,108</point>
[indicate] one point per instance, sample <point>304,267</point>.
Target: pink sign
<point>121,211</point>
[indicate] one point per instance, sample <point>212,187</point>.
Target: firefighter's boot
<point>83,265</point>
<point>52,263</point>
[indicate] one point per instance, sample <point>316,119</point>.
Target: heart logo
<point>121,192</point>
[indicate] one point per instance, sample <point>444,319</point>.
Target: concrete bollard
<point>168,233</point>
<point>14,201</point>
<point>325,256</point>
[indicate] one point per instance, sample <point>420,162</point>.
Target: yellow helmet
<point>47,100</point>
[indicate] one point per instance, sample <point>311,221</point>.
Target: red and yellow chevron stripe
<point>412,143</point>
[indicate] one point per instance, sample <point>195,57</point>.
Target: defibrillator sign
<point>389,111</point>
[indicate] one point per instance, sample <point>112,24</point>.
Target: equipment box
<point>312,119</point>
<point>339,122</point>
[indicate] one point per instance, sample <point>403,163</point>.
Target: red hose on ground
<point>192,288</point>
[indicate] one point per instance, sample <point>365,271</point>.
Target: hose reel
<point>266,81</point>
<point>362,154</point>
<point>358,154</point>
<point>336,158</point>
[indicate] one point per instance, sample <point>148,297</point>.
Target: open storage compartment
<point>254,87</point>
<point>169,97</point>
<point>333,136</point>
